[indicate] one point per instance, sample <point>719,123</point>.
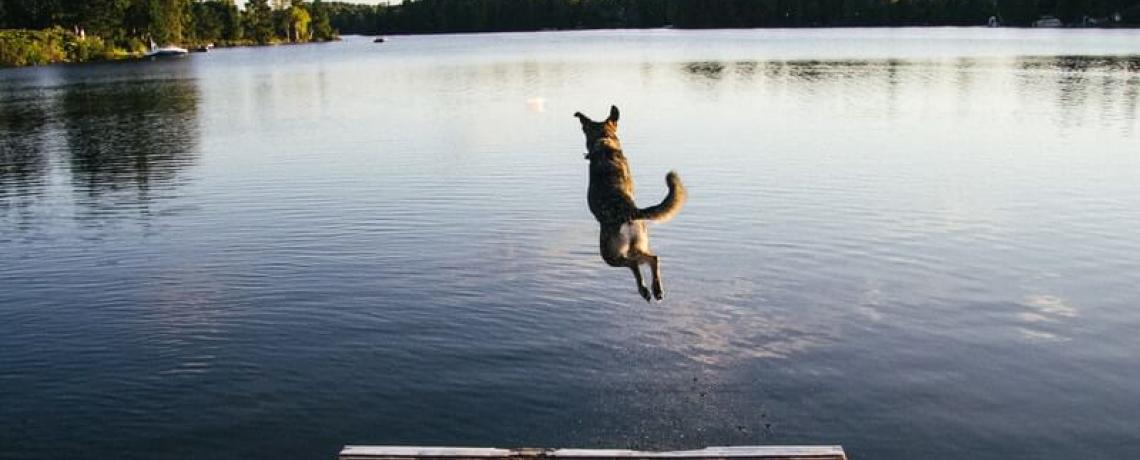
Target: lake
<point>915,243</point>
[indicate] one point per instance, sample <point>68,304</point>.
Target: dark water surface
<point>916,243</point>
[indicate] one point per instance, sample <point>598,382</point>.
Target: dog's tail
<point>668,207</point>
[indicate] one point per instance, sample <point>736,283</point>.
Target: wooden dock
<point>476,453</point>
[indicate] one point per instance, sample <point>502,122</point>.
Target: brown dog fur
<point>624,234</point>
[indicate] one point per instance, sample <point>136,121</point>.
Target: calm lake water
<point>916,243</point>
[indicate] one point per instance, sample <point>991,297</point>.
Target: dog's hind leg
<point>639,252</point>
<point>654,266</point>
<point>641,289</point>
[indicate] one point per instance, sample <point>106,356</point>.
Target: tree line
<point>447,16</point>
<point>127,22</point>
<point>42,31</point>
<point>131,24</point>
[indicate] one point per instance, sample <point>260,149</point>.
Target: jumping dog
<point>624,234</point>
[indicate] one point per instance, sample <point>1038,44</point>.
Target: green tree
<point>299,20</point>
<point>206,20</point>
<point>232,29</point>
<point>259,21</point>
<point>159,20</point>
<point>322,22</point>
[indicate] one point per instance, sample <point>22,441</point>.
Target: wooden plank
<point>478,453</point>
<point>426,452</point>
<point>709,452</point>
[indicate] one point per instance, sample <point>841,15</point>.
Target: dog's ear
<point>613,114</point>
<point>584,119</point>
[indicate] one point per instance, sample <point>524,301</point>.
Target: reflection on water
<point>128,140</point>
<point>1042,310</point>
<point>725,332</point>
<point>1068,82</point>
<point>119,143</point>
<point>915,243</point>
<point>23,162</point>
<point>709,70</point>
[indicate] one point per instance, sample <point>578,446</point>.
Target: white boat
<point>168,50</point>
<point>1048,22</point>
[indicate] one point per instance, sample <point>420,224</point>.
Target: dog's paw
<point>658,291</point>
<point>644,291</point>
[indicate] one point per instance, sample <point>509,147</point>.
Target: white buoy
<point>536,104</point>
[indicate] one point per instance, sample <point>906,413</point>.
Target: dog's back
<point>610,195</point>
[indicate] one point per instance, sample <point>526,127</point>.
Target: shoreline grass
<point>56,45</point>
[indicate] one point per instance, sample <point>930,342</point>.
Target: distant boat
<point>994,22</point>
<point>378,40</point>
<point>203,48</point>
<point>1048,21</point>
<point>165,51</point>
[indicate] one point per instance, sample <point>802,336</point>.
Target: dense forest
<point>175,21</point>
<point>265,21</point>
<point>442,16</point>
<point>44,31</point>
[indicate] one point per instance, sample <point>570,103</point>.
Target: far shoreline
<point>139,56</point>
<point>58,46</point>
<point>687,29</point>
